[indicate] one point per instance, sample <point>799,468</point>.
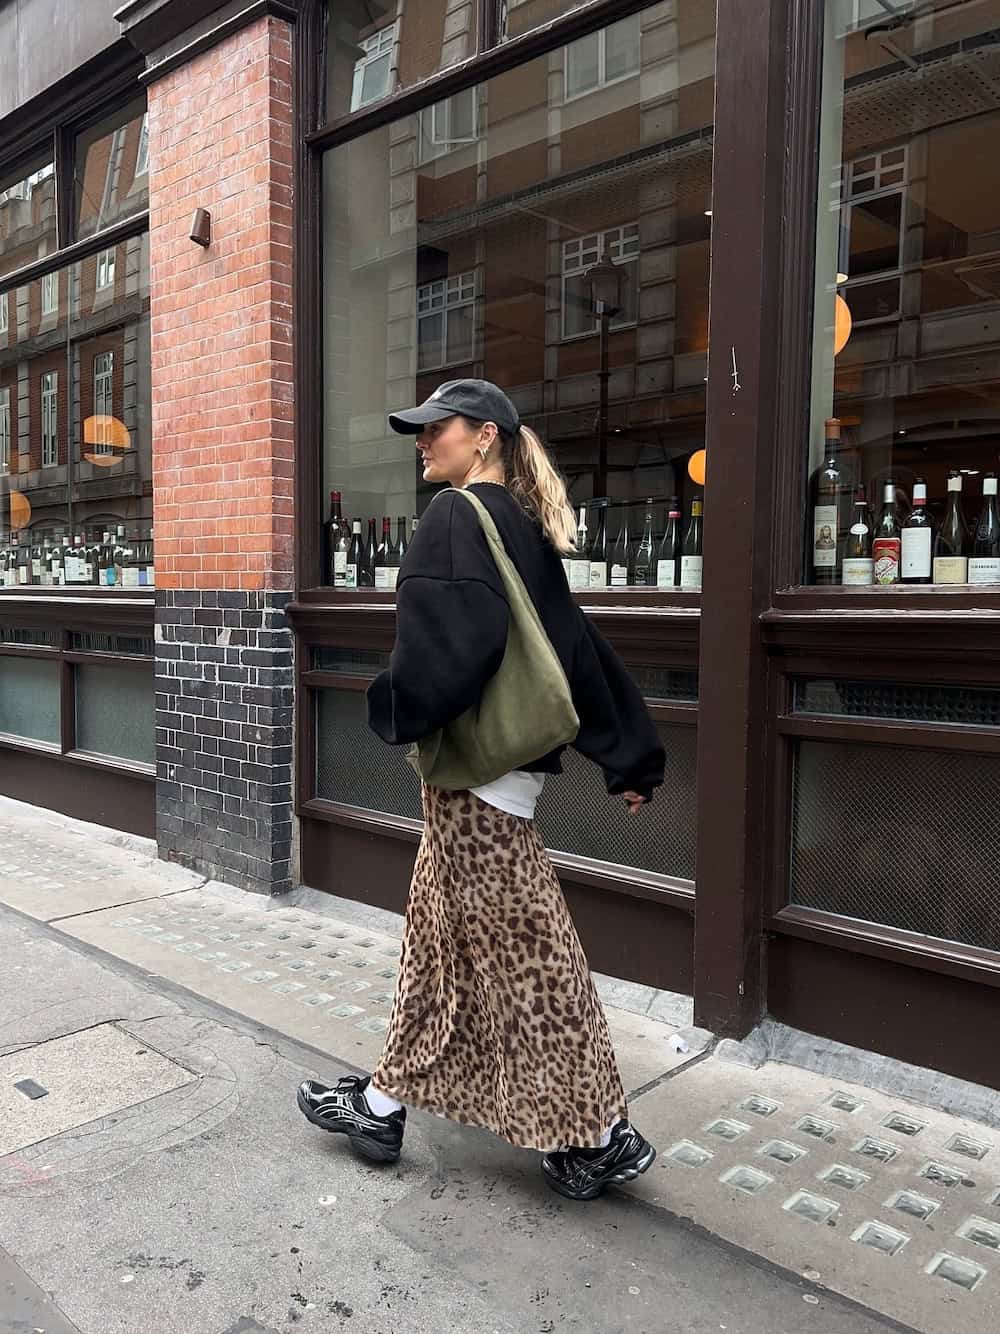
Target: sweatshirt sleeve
<point>451,626</point>
<point>616,730</point>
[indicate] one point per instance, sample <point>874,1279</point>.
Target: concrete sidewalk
<point>824,1186</point>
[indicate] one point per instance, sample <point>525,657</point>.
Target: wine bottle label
<point>22,574</point>
<point>824,537</point>
<point>566,564</point>
<point>36,568</point>
<point>885,553</point>
<point>381,578</point>
<point>691,574</point>
<point>951,569</point>
<point>72,570</point>
<point>579,575</point>
<point>859,570</point>
<point>88,572</point>
<point>151,575</point>
<point>598,574</point>
<point>666,573</point>
<point>350,576</point>
<point>984,570</point>
<point>339,568</point>
<point>130,577</point>
<point>143,577</point>
<point>619,576</point>
<point>915,560</point>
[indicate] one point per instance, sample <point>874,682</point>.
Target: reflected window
<point>109,157</point>
<point>904,448</point>
<point>142,154</point>
<point>5,429</point>
<point>372,71</point>
<point>27,216</point>
<point>448,125</point>
<point>603,57</point>
<point>445,321</point>
<point>104,374</point>
<point>50,293</point>
<point>621,245</point>
<point>105,269</point>
<point>3,312</point>
<point>50,419</point>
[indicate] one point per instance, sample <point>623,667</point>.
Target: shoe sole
<point>367,1148</point>
<point>620,1178</point>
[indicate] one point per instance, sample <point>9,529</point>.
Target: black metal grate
<point>350,661</point>
<point>905,838</point>
<point>39,638</point>
<point>575,813</point>
<point>666,683</point>
<point>973,706</point>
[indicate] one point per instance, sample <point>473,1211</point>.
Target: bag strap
<point>517,592</point>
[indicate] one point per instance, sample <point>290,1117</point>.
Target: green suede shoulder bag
<point>526,708</point>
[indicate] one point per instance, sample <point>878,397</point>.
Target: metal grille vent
<point>905,838</point>
<point>38,638</point>
<point>971,706</point>
<point>575,813</point>
<point>666,683</point>
<point>87,641</point>
<point>350,661</point>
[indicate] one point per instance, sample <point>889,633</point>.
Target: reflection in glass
<point>376,48</point>
<point>467,239</point>
<point>27,219</point>
<point>906,386</point>
<point>75,456</point>
<point>111,170</point>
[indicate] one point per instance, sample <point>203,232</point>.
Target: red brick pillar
<point>220,132</point>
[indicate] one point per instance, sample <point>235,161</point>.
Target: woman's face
<point>448,449</point>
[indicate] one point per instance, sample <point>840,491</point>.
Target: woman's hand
<point>635,802</point>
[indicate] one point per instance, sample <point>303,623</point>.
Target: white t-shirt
<point>515,792</point>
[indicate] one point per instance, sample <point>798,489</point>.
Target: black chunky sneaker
<point>583,1174</point>
<point>344,1110</point>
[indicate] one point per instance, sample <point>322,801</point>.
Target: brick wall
<point>221,138</point>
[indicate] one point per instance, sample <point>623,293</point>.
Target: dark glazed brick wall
<point>224,697</point>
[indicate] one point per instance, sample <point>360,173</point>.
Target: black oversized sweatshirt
<point>451,632</point>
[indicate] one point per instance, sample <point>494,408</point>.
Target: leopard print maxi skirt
<point>496,1022</point>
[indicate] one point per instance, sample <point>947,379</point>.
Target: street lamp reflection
<point>109,440</point>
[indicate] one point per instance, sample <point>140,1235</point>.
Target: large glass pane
<point>27,218</point>
<point>904,448</point>
<point>373,50</point>
<point>112,169</point>
<point>114,712</point>
<point>75,439</point>
<point>29,699</point>
<point>463,241</point>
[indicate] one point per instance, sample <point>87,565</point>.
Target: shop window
<point>88,376</point>
<point>5,429</point>
<point>375,49</point>
<point>493,264</point>
<point>27,215</point>
<point>3,313</point>
<point>50,294</point>
<point>448,125</point>
<point>904,448</point>
<point>621,245</point>
<point>104,374</point>
<point>29,700</point>
<point>109,157</point>
<point>114,712</point>
<point>50,419</point>
<point>373,70</point>
<point>445,321</point>
<point>603,57</point>
<point>105,270</point>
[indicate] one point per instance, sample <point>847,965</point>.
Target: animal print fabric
<point>496,1021</point>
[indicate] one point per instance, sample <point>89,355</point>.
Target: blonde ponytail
<point>534,481</point>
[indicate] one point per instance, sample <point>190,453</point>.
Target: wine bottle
<point>386,568</point>
<point>858,566</point>
<point>579,561</point>
<point>951,543</point>
<point>401,542</point>
<point>917,536</point>
<point>887,544</point>
<point>355,558</point>
<point>829,483</point>
<point>620,553</point>
<point>599,548</point>
<point>984,563</point>
<point>366,572</point>
<point>119,555</point>
<point>643,563</point>
<point>45,564</point>
<point>668,562</point>
<point>332,532</point>
<point>691,553</point>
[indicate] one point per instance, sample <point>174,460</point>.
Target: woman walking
<point>496,1022</point>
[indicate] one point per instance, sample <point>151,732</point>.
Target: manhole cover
<point>84,1076</point>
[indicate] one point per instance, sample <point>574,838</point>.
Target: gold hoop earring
<point>483,453</point>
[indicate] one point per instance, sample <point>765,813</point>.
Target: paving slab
<point>894,1205</point>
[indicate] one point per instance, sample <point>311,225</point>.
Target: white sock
<point>606,1137</point>
<point>380,1103</point>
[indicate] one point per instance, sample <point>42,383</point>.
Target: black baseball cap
<point>479,400</point>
